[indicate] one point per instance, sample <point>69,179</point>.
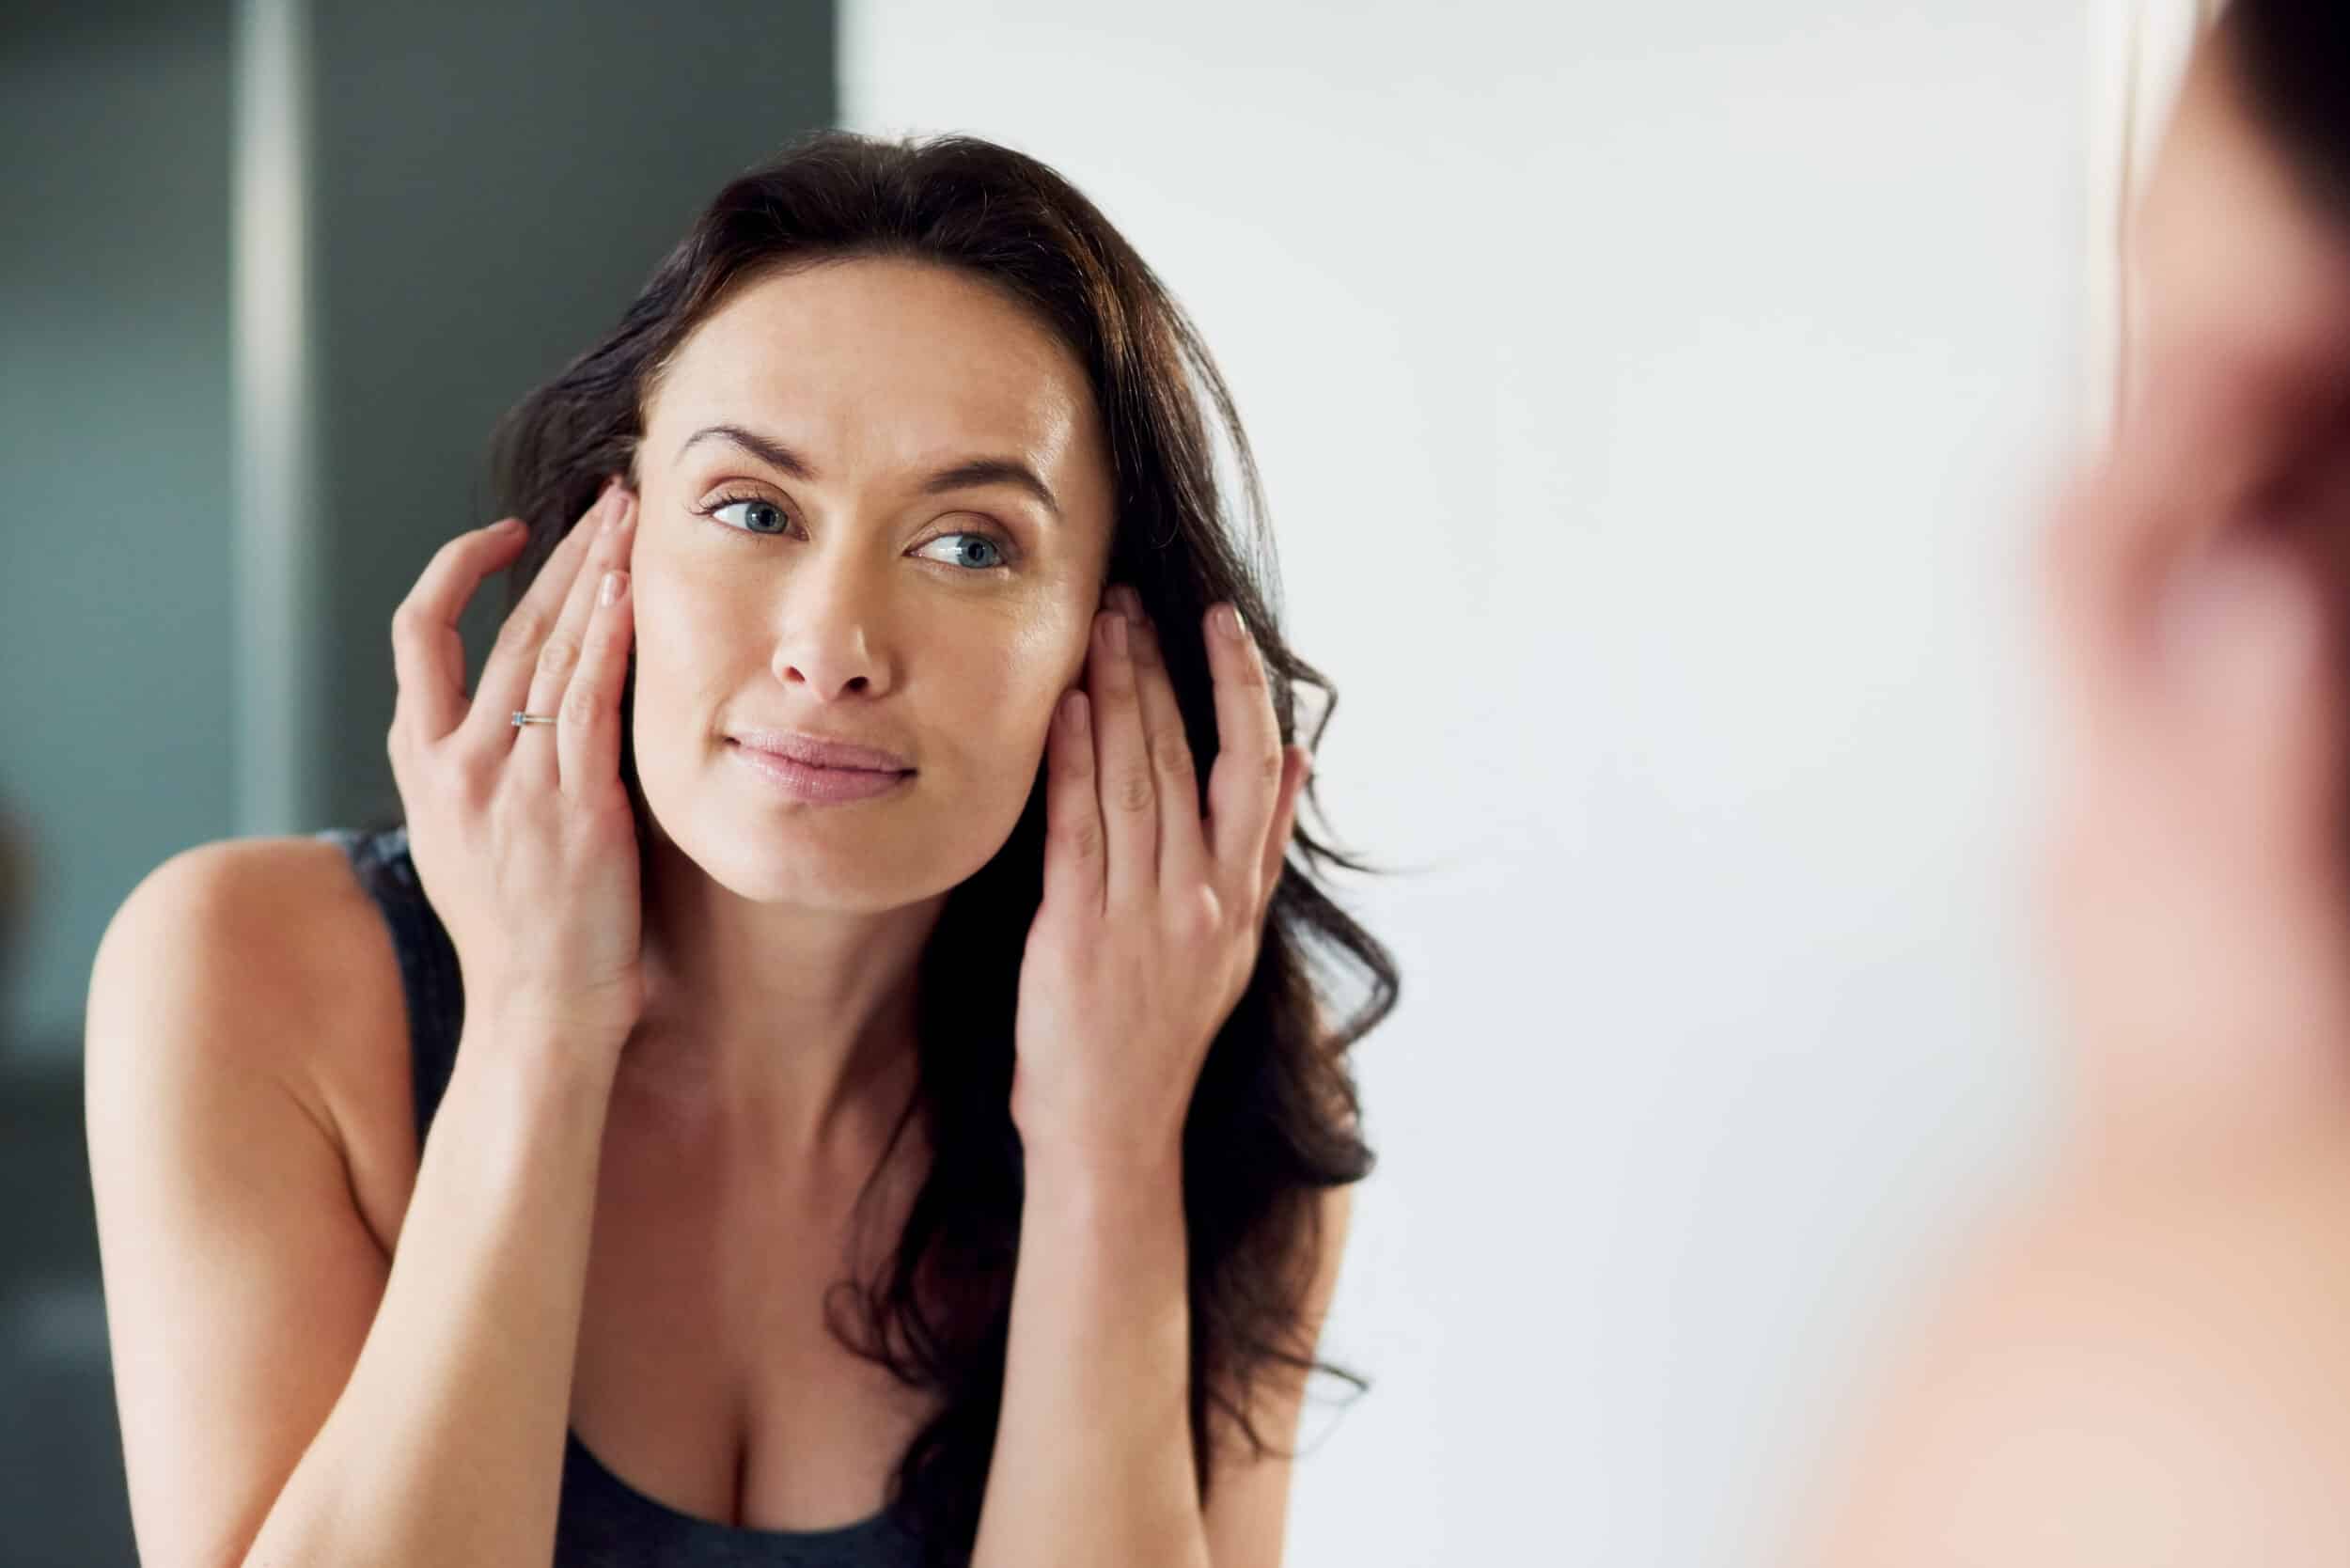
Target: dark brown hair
<point>1274,1121</point>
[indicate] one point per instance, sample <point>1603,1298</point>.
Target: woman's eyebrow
<point>962,476</point>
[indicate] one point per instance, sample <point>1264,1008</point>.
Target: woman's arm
<point>1093,1458</point>
<point>286,1398</point>
<point>1093,1449</point>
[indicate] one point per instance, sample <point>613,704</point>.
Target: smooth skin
<point>793,567</point>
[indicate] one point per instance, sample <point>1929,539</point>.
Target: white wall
<point>1650,399</point>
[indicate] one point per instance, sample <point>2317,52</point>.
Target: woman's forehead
<point>951,362</point>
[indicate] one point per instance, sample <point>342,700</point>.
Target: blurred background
<point>1651,399</point>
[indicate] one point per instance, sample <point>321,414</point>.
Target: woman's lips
<point>823,751</point>
<point>821,785</point>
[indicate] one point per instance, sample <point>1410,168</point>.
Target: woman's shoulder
<point>298,919</point>
<point>293,907</point>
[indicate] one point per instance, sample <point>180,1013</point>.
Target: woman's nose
<point>830,638</point>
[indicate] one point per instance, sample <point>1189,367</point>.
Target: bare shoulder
<point>2153,1370</point>
<point>236,1105</point>
<point>314,959</point>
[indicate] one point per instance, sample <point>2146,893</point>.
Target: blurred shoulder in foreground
<point>2147,1361</point>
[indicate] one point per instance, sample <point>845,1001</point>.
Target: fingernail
<point>1118,634</point>
<point>613,583</point>
<point>1228,622</point>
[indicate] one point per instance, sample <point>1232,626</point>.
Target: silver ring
<point>522,718</point>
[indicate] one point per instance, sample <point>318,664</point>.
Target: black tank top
<point>601,1521</point>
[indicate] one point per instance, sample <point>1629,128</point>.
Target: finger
<point>428,655</point>
<point>1130,828</point>
<point>587,739</point>
<point>1244,788</point>
<point>1182,848</point>
<point>1296,767</point>
<point>507,675</point>
<point>559,654</point>
<point>1074,851</point>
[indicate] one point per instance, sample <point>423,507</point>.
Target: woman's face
<point>851,598</point>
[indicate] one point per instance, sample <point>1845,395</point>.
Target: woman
<point>893,1121</point>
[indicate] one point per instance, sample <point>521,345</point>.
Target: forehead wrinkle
<point>800,366</point>
<point>1043,433</point>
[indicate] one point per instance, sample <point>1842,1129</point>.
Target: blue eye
<point>747,501</point>
<point>995,556</point>
<point>977,540</point>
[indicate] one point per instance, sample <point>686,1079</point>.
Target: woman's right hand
<point>521,838</point>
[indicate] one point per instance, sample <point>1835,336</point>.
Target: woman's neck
<point>792,1024</point>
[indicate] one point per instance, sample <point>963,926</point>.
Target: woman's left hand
<point>1152,915</point>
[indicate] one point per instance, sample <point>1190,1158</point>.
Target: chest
<point>708,1376</point>
<point>705,1376</point>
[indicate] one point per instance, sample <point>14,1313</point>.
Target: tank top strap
<point>429,974</point>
